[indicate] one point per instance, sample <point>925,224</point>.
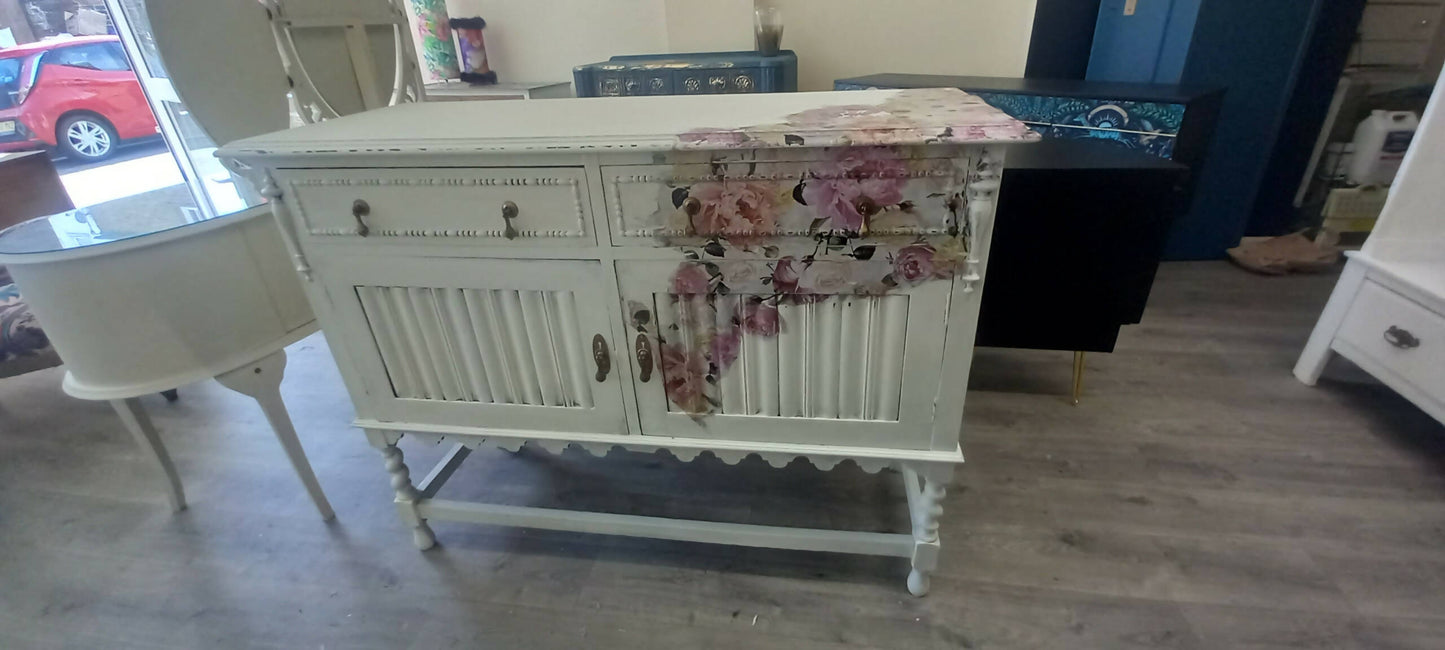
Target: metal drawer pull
<point>1401,338</point>
<point>602,356</point>
<point>509,212</point>
<point>360,210</point>
<point>691,206</point>
<point>644,358</point>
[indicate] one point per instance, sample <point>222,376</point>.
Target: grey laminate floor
<point>1200,497</point>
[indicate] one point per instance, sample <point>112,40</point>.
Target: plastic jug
<point>1380,143</point>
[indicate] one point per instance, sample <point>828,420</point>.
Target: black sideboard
<point>1080,230</point>
<point>1170,121</point>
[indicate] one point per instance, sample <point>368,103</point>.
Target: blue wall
<point>1149,46</point>
<point>1254,51</point>
<point>1178,34</point>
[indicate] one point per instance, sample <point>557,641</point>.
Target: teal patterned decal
<point>1146,126</point>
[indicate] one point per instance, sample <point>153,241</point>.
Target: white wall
<point>541,40</point>
<point>845,38</point>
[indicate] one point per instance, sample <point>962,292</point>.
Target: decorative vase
<point>768,30</point>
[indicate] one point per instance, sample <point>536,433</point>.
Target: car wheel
<point>86,137</point>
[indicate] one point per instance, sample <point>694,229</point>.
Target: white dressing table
<point>786,275</point>
<point>139,306</point>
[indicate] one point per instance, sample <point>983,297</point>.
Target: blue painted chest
<point>699,73</point>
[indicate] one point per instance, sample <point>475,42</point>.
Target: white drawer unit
<point>1398,334</point>
<point>1396,338</point>
<point>1387,312</point>
<point>789,276</point>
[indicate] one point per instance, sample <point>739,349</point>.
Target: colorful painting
<point>434,39</point>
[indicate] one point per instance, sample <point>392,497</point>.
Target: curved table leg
<point>262,381</point>
<point>133,415</point>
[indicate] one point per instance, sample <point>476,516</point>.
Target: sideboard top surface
<point>667,123</point>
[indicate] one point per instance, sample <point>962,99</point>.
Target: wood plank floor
<point>1199,497</point>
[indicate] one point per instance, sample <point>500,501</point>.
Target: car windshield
<point>9,81</point>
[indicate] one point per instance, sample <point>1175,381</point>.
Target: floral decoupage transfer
<point>755,236</point>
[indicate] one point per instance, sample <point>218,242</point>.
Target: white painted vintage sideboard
<point>786,275</point>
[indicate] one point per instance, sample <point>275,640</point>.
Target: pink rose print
<point>735,209</point>
<point>785,276</point>
<point>854,174</point>
<point>913,264</point>
<point>726,347</point>
<point>690,279</point>
<point>828,279</point>
<point>761,318</point>
<point>829,117</point>
<point>684,378</point>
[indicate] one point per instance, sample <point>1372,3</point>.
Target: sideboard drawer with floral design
<point>850,193</point>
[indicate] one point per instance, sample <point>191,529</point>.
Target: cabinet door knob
<point>691,205</point>
<point>1401,338</point>
<point>644,358</point>
<point>509,212</point>
<point>360,210</point>
<point>602,356</point>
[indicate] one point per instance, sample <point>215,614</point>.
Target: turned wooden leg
<point>406,493</point>
<point>925,488</point>
<point>262,382</point>
<point>138,423</point>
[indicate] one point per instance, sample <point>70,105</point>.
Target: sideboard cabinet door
<point>838,369</point>
<point>507,344</point>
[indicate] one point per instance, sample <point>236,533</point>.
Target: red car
<point>76,94</point>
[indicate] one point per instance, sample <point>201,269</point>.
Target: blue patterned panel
<point>1151,117</point>
<point>1028,108</point>
<point>1159,145</point>
<point>1146,126</point>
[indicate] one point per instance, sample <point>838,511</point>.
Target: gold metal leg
<point>1078,376</point>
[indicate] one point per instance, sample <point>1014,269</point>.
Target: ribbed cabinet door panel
<point>505,344</point>
<point>856,370</point>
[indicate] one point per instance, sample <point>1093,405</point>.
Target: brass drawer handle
<point>644,358</point>
<point>691,206</point>
<point>1401,338</point>
<point>360,210</point>
<point>602,357</point>
<point>509,212</point>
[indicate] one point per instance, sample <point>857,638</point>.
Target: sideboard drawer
<point>1399,334</point>
<point>873,192</point>
<point>517,206</point>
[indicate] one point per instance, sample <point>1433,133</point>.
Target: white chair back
<point>345,57</point>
